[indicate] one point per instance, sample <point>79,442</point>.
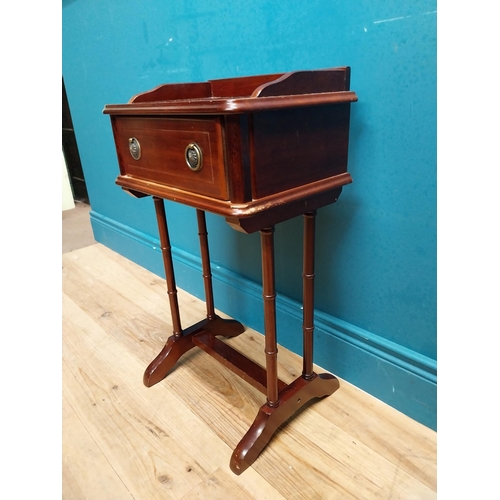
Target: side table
<point>257,151</point>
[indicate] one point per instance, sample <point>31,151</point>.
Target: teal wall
<point>376,247</point>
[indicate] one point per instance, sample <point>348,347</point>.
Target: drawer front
<point>180,153</point>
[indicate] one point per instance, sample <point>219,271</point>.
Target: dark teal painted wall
<point>376,247</point>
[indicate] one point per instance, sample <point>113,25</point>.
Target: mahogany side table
<point>256,150</point>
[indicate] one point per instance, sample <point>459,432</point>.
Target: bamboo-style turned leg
<point>176,345</point>
<point>308,294</point>
<point>215,325</point>
<point>282,400</point>
<point>166,252</point>
<point>205,263</point>
<point>282,405</point>
<point>183,340</point>
<point>269,295</point>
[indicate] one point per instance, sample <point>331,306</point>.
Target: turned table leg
<point>269,295</point>
<point>181,341</point>
<point>282,405</point>
<point>205,263</point>
<point>166,252</point>
<point>308,294</point>
<point>215,325</point>
<point>176,345</point>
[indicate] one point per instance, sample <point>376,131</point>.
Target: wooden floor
<point>174,440</point>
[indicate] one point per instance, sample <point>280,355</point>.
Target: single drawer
<point>177,152</point>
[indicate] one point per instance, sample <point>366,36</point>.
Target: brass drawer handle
<point>134,147</point>
<point>194,157</point>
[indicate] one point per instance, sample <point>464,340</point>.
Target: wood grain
<point>273,150</point>
<point>83,461</point>
<point>163,142</point>
<point>174,440</point>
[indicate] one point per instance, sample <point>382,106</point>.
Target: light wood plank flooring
<point>174,440</point>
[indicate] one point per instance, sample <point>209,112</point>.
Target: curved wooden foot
<point>166,359</point>
<point>226,328</point>
<point>175,347</point>
<point>268,419</point>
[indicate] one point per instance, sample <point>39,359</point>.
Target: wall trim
<point>395,374</point>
